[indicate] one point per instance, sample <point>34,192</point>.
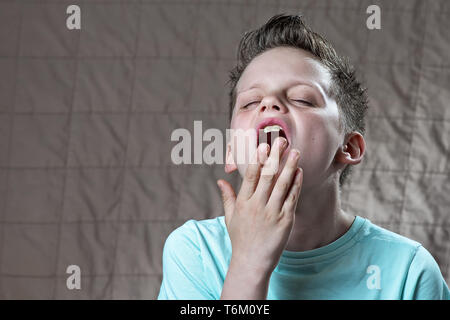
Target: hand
<point>260,219</point>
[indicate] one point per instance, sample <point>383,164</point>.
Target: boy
<point>284,236</point>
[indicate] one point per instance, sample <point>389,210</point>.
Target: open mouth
<point>268,133</point>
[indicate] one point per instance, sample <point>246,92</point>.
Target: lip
<point>273,121</point>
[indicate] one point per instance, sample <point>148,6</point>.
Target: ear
<point>230,166</point>
<point>353,149</point>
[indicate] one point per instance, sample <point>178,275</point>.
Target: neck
<point>319,219</point>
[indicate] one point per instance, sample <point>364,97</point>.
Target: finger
<point>264,154</point>
<point>270,170</point>
<point>252,173</point>
<point>290,203</point>
<point>284,181</point>
<point>228,198</point>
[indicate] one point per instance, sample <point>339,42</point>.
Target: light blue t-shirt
<point>367,262</point>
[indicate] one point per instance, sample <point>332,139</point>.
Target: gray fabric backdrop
<point>86,117</point>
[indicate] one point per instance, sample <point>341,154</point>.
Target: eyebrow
<point>254,86</point>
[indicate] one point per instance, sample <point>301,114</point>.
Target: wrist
<point>244,282</point>
<point>250,272</point>
<point>262,267</point>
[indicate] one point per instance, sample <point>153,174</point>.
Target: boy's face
<point>289,85</point>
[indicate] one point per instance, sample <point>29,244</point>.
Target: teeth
<point>274,128</point>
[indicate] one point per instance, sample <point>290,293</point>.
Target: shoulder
<point>423,277</point>
<point>193,228</point>
<point>188,257</point>
<point>194,233</point>
<point>425,280</point>
<point>382,238</point>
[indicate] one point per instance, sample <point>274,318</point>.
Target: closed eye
<point>249,104</point>
<point>304,102</point>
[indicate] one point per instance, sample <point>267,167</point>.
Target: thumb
<point>228,198</point>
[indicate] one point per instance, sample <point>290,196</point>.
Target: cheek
<point>318,141</point>
<point>241,120</point>
<point>243,141</point>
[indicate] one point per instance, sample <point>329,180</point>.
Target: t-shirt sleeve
<point>424,280</point>
<point>183,269</point>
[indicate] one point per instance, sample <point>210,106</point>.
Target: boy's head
<point>289,74</point>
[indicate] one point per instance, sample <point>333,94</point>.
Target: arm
<point>259,221</point>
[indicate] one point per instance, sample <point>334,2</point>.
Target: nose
<point>271,104</point>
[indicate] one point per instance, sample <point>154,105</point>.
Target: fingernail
<point>282,142</point>
<point>294,154</point>
<point>263,148</point>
